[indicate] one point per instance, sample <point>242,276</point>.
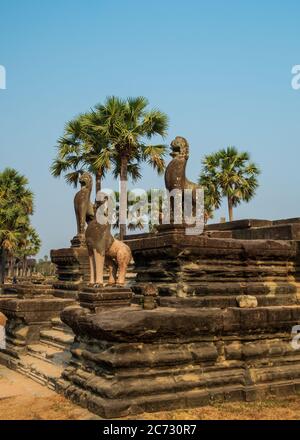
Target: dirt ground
<point>24,399</point>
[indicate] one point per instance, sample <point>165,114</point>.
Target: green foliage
<point>81,149</point>
<point>30,244</point>
<point>16,205</point>
<point>17,237</point>
<point>228,173</point>
<point>45,267</point>
<point>112,136</point>
<point>128,126</point>
<point>88,145</point>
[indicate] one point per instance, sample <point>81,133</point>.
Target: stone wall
<point>211,272</point>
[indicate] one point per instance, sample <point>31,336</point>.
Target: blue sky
<point>220,70</point>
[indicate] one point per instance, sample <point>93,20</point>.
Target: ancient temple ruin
<point>204,318</point>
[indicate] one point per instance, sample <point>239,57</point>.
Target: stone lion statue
<point>175,177</point>
<point>104,248</point>
<point>82,205</point>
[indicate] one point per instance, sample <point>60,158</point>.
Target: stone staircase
<point>45,360</point>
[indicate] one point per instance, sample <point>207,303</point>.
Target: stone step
<point>61,293</point>
<point>57,324</point>
<point>56,338</point>
<point>40,370</point>
<point>223,301</point>
<point>53,355</point>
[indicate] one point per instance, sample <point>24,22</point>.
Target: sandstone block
<point>246,301</point>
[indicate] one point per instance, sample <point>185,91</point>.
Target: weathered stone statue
<point>150,293</point>
<point>82,205</point>
<point>104,248</point>
<point>118,258</point>
<point>175,177</point>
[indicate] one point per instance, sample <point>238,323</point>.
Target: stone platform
<point>95,298</point>
<point>37,343</point>
<point>45,359</point>
<point>73,271</point>
<point>72,267</point>
<point>201,343</point>
<point>129,360</point>
<point>28,290</point>
<point>255,229</point>
<point>29,312</point>
<point>199,271</point>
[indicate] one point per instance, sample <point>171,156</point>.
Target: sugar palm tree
<point>128,126</point>
<point>84,149</point>
<point>79,150</point>
<point>29,246</point>
<point>229,173</point>
<point>212,196</point>
<point>16,205</point>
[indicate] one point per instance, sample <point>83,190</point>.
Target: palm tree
<point>84,149</point>
<point>30,245</point>
<point>16,205</point>
<point>81,149</point>
<point>229,173</point>
<point>45,267</point>
<point>212,197</point>
<point>127,124</point>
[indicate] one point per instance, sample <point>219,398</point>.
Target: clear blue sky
<point>221,70</point>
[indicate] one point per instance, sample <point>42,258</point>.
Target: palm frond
<point>72,178</point>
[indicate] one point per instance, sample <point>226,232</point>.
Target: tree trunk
<point>9,259</point>
<point>230,209</point>
<point>13,266</point>
<point>25,266</point>
<point>2,266</point>
<point>98,181</point>
<point>123,197</point>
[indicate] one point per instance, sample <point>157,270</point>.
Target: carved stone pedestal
<point>28,290</point>
<point>27,316</point>
<point>98,298</point>
<point>72,271</point>
<point>210,272</point>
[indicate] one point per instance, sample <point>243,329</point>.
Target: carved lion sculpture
<point>175,177</point>
<point>82,205</point>
<point>104,248</point>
